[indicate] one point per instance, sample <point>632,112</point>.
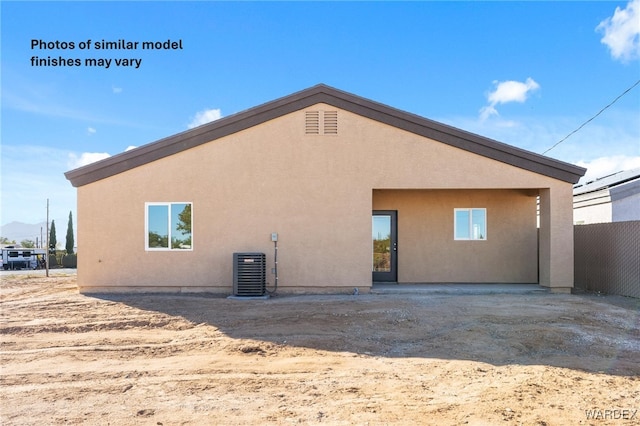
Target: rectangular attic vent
<point>312,123</point>
<point>321,123</point>
<point>330,122</point>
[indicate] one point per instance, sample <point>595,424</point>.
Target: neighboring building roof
<point>626,190</point>
<point>607,182</point>
<point>324,94</point>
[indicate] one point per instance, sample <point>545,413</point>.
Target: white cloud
<point>604,166</point>
<point>91,130</point>
<point>204,117</point>
<point>622,32</point>
<point>512,91</point>
<point>85,158</point>
<point>116,90</point>
<point>487,111</point>
<point>505,92</point>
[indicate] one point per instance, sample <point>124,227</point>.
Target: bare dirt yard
<point>149,359</point>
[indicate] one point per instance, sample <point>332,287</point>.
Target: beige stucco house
<point>357,192</point>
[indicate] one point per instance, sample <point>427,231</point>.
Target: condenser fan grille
<point>249,274</point>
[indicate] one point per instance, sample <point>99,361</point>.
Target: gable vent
<point>312,123</point>
<point>330,122</point>
<point>321,122</point>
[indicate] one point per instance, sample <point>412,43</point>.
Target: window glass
<point>381,243</point>
<point>181,226</point>
<point>470,224</point>
<point>478,224</point>
<point>169,226</point>
<point>158,226</point>
<point>462,224</point>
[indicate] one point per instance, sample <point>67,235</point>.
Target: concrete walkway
<point>383,288</point>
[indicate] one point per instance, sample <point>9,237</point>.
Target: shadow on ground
<point>589,333</point>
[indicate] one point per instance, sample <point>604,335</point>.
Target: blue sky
<point>524,73</point>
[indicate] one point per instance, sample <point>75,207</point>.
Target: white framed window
<point>470,224</point>
<point>168,226</point>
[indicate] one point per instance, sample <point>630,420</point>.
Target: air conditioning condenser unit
<point>249,274</point>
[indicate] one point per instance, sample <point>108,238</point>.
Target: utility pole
<point>47,247</point>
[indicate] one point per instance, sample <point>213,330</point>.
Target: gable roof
<point>324,94</point>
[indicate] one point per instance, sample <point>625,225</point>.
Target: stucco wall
<point>625,202</point>
<point>626,209</point>
<point>316,191</point>
<point>428,252</point>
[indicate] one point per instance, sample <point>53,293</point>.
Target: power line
<point>591,119</point>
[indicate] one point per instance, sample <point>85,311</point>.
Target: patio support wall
<point>556,239</point>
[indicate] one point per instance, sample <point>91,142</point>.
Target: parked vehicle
<point>22,258</point>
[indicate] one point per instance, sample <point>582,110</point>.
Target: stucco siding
<point>317,192</point>
<point>625,202</point>
<point>427,251</point>
<point>626,209</point>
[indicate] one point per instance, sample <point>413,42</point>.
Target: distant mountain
<point>19,231</point>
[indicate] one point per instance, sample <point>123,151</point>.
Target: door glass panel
<point>381,243</point>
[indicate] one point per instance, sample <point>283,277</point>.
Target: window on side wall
<point>470,224</point>
<point>168,226</point>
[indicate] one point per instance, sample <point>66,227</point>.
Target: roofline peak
<point>323,93</point>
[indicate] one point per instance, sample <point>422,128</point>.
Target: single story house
<point>357,192</point>
<point>612,198</point>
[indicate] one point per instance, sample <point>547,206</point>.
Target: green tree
<point>185,220</point>
<point>5,240</point>
<point>28,243</point>
<point>70,242</point>
<point>183,225</point>
<point>53,242</point>
<point>156,240</point>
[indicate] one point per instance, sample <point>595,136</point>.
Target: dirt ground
<point>531,359</point>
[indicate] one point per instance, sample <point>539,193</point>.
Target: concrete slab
<point>265,297</point>
<point>384,288</point>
